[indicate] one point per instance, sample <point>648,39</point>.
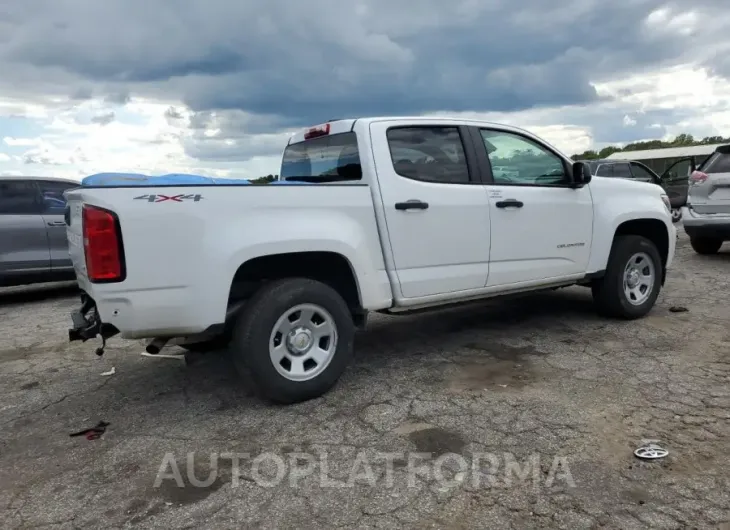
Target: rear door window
<point>622,171</point>
<point>332,158</point>
<point>429,153</point>
<point>19,197</point>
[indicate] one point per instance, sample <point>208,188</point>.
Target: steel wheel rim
<point>303,342</point>
<point>639,278</point>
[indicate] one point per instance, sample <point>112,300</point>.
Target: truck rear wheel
<point>632,281</point>
<point>705,245</point>
<point>295,337</point>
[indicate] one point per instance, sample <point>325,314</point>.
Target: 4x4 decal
<point>173,198</point>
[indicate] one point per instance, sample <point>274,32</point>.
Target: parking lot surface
<point>530,410</point>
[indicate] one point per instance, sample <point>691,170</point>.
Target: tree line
<point>264,180</point>
<point>682,140</point>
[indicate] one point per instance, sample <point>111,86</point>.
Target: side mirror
<point>581,174</point>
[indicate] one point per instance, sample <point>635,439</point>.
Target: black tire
<point>705,245</point>
<point>254,326</point>
<point>218,343</point>
<point>608,292</point>
<point>676,217</point>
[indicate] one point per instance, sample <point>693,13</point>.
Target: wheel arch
<point>652,229</point>
<point>329,267</point>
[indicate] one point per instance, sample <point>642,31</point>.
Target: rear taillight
<point>102,245</point>
<point>698,177</point>
<point>320,130</point>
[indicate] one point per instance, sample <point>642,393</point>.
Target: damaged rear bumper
<point>87,324</point>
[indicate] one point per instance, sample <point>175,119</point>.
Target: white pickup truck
<point>372,214</point>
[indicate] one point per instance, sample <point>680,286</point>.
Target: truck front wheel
<point>295,337</point>
<point>632,280</point>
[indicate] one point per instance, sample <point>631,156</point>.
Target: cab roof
<point>38,177</point>
<point>346,125</point>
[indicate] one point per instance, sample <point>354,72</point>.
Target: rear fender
<point>323,231</point>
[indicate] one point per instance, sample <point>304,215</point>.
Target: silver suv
<point>707,213</point>
<point>33,243</point>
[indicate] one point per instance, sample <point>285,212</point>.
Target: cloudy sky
<point>215,87</point>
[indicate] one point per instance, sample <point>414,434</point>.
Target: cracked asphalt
<point>530,410</point>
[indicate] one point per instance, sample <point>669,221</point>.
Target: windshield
<point>325,159</point>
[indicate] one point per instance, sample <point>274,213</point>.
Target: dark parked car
<point>33,242</point>
<point>675,184</point>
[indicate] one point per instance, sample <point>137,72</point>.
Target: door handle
<point>509,203</point>
<point>413,204</point>
<point>56,223</point>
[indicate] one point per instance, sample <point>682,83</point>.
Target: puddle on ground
<point>495,367</point>
<point>171,491</point>
<point>489,375</point>
<point>636,495</point>
<point>503,352</point>
<point>437,441</point>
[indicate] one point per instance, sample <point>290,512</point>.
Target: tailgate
<point>74,234</point>
<point>709,191</point>
<point>711,196</point>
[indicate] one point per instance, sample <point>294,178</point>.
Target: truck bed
<point>171,235</point>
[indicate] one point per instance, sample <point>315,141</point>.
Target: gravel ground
<point>529,410</point>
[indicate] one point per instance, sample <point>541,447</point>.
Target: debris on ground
<point>678,309</point>
<point>92,433</point>
<point>110,372</point>
<point>651,451</point>
<point>180,355</point>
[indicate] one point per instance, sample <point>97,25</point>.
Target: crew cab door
<point>541,228</point>
<point>54,206</point>
<point>23,240</point>
<point>435,207</point>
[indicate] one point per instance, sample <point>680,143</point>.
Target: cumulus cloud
<point>20,142</point>
<point>310,61</point>
<point>104,119</point>
<point>230,79</point>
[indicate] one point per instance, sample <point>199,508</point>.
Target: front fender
<point>610,214</point>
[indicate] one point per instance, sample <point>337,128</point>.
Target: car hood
<point>619,184</point>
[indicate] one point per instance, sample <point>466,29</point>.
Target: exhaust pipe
<point>156,345</point>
